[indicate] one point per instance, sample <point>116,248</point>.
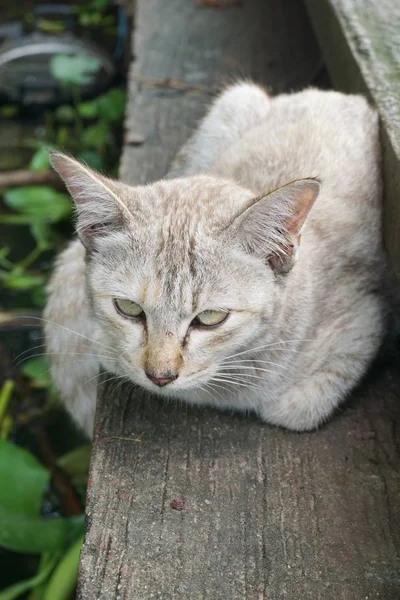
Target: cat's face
<point>174,302</point>
<point>181,274</point>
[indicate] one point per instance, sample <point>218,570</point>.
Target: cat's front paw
<point>302,409</point>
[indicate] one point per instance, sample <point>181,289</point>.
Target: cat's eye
<point>128,308</point>
<point>210,318</point>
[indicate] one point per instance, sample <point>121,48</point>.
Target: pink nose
<point>161,381</point>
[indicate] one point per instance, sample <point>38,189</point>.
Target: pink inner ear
<point>304,204</point>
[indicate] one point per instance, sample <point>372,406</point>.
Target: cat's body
<point>306,319</point>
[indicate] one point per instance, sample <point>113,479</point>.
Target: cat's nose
<point>162,380</point>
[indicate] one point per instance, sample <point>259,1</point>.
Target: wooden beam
<point>360,43</point>
<point>266,514</point>
<point>194,504</point>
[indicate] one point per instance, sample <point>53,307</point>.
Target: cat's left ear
<point>99,206</point>
<point>271,226</point>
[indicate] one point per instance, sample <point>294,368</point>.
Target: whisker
<point>241,377</point>
<point>49,353</point>
<point>202,388</point>
<point>254,361</point>
<point>213,386</point>
<point>113,377</point>
<point>71,331</point>
<point>46,354</point>
<point>234,382</point>
<point>268,346</point>
<point>254,376</point>
<point>124,379</point>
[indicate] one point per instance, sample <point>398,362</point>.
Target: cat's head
<point>182,274</point>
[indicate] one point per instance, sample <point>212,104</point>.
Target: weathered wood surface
<point>186,52</point>
<point>361,46</point>
<point>268,515</point>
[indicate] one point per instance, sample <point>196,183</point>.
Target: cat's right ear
<point>99,208</point>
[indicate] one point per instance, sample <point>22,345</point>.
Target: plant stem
<point>15,220</point>
<point>76,98</point>
<point>45,568</point>
<point>30,259</point>
<point>5,396</point>
<point>63,580</point>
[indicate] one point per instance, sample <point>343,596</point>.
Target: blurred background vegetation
<point>66,92</point>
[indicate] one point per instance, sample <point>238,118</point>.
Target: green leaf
<point>91,158</point>
<point>96,136</point>
<point>89,109</point>
<point>76,462</point>
<point>87,19</point>
<point>21,527</point>
<point>23,282</point>
<point>51,26</point>
<point>38,370</point>
<point>39,201</point>
<point>62,136</point>
<point>65,113</point>
<point>6,391</point>
<point>40,160</point>
<point>15,220</point>
<point>24,480</point>
<point>111,105</point>
<point>39,297</point>
<point>100,4</point>
<point>46,566</point>
<point>43,234</point>
<point>74,69</point>
<point>63,581</point>
<point>4,252</point>
<point>9,111</point>
<point>34,535</point>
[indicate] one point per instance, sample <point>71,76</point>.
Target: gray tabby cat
<point>253,281</point>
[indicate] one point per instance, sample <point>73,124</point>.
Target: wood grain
<point>265,514</point>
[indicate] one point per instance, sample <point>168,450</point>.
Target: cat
<point>250,278</point>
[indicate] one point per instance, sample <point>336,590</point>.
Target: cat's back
<point>313,133</point>
<point>324,134</point>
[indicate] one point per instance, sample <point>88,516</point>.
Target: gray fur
<point>307,313</point>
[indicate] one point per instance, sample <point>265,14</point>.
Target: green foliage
<point>43,234</point>
<point>91,158</point>
<point>26,480</point>
<point>51,26</point>
<point>65,113</point>
<point>89,130</point>
<point>76,464</point>
<point>63,580</point>
<point>77,69</point>
<point>40,160</point>
<point>109,106</point>
<point>19,281</point>
<point>22,529</point>
<point>96,136</point>
<point>39,202</point>
<point>37,369</point>
<point>46,566</point>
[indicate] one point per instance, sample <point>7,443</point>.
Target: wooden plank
<point>185,53</point>
<point>361,46</point>
<point>267,514</point>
